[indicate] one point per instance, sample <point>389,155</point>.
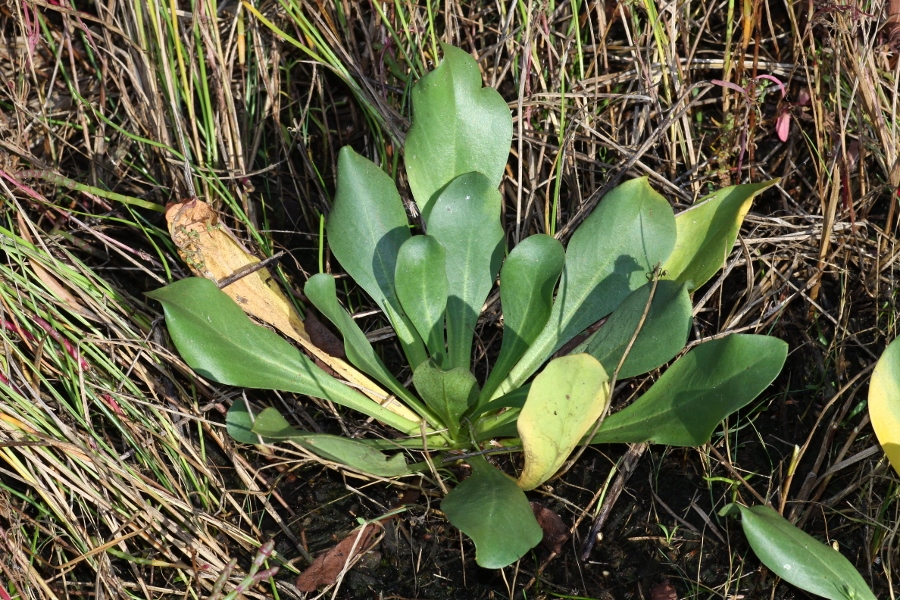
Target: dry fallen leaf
<point>327,567</point>
<point>663,591</point>
<point>555,531</point>
<point>212,251</point>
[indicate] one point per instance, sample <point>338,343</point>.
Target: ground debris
<point>555,531</point>
<point>327,568</point>
<point>663,591</point>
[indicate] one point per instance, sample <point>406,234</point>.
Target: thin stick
<point>249,270</point>
<point>629,462</point>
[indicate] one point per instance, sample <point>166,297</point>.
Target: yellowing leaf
<point>212,251</point>
<point>706,233</point>
<point>564,402</point>
<point>884,402</point>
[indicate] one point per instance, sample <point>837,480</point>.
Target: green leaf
<point>366,227</point>
<point>492,510</point>
<point>514,399</point>
<point>422,288</point>
<point>565,401</point>
<point>447,393</point>
<point>502,424</point>
<point>458,127</point>
<point>610,255</point>
<point>321,291</point>
<point>706,233</point>
<point>884,402</point>
<point>272,426</point>
<point>239,423</point>
<point>799,558</point>
<point>216,338</point>
<point>466,222</point>
<point>703,387</point>
<point>527,280</point>
<point>663,335</point>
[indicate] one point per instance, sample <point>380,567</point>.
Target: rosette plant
<point>632,262</point>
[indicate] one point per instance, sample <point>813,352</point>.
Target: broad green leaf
<point>565,401</point>
<point>448,393</point>
<point>706,233</point>
<point>884,402</point>
<point>216,338</point>
<point>662,336</point>
<point>466,221</point>
<point>422,288</point>
<point>492,510</point>
<point>700,389</point>
<point>610,255</point>
<point>239,423</point>
<point>357,455</point>
<point>457,127</point>
<point>797,557</point>
<point>366,227</point>
<point>321,291</point>
<point>527,280</point>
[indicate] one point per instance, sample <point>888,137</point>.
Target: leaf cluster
<point>632,263</point>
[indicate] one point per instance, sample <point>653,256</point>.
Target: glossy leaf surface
<point>700,389</point>
<point>321,291</point>
<point>422,288</point>
<point>448,393</point>
<point>458,127</point>
<point>216,338</point>
<point>527,280</point>
<point>609,256</point>
<point>797,557</point>
<point>466,222</point>
<point>366,227</point>
<point>564,402</point>
<point>706,233</point>
<point>884,402</point>
<point>271,426</point>
<point>663,334</point>
<point>492,510</point>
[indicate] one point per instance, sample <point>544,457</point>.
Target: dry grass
<point>116,476</point>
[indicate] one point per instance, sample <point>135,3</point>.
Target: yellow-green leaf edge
<point>884,402</point>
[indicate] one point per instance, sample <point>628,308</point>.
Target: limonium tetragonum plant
<point>632,262</point>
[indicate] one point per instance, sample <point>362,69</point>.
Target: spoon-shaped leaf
<point>366,227</point>
<point>799,558</point>
<point>662,336</point>
<point>700,389</point>
<point>564,402</point>
<point>527,280</point>
<point>218,340</point>
<point>448,393</point>
<point>610,255</point>
<point>706,233</point>
<point>422,288</point>
<point>884,402</point>
<point>466,222</point>
<point>492,510</point>
<point>458,127</point>
<point>271,426</point>
<point>320,289</point>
